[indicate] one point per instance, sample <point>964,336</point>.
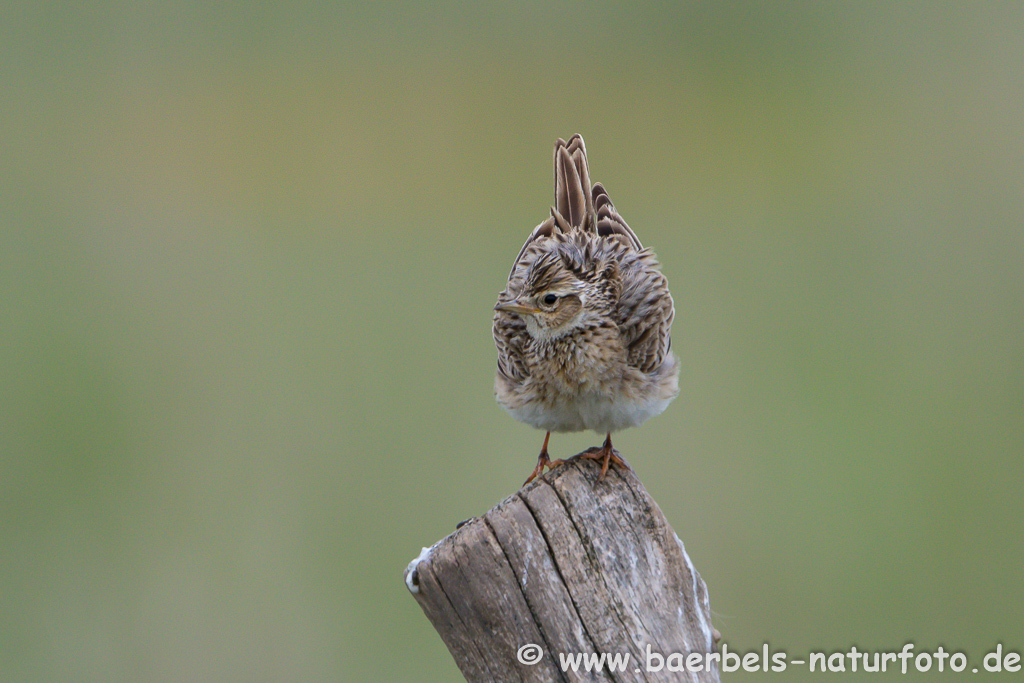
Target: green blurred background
<point>248,254</point>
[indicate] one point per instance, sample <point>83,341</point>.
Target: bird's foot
<point>543,461</point>
<point>606,455</point>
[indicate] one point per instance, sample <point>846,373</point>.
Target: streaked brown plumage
<point>583,326</point>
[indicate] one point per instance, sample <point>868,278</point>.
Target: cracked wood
<point>571,567</point>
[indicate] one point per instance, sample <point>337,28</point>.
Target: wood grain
<point>573,567</point>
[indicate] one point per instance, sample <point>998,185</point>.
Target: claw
<point>543,461</point>
<point>606,454</point>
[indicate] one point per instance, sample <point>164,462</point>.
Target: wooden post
<point>568,568</point>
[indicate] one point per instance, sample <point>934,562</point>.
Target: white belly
<point>597,412</point>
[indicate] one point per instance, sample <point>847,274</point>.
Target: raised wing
<point>609,222</point>
<point>510,337</point>
<point>645,312</point>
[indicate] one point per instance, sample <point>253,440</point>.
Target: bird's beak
<point>515,307</point>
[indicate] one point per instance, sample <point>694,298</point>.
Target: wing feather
<point>645,312</point>
<point>609,222</point>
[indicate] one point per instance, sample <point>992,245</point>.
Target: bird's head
<point>553,300</point>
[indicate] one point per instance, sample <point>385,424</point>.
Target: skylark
<point>583,326</point>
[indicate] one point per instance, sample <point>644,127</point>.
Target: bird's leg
<point>543,461</point>
<point>606,454</point>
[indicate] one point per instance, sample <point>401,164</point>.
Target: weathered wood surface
<point>571,567</point>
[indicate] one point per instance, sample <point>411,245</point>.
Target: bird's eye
<point>550,299</point>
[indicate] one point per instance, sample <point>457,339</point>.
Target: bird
<point>583,326</point>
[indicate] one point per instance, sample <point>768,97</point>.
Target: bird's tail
<point>574,206</point>
<point>577,205</point>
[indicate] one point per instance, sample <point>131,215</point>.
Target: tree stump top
<point>572,566</point>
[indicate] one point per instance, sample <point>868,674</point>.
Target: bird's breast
<point>584,361</point>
